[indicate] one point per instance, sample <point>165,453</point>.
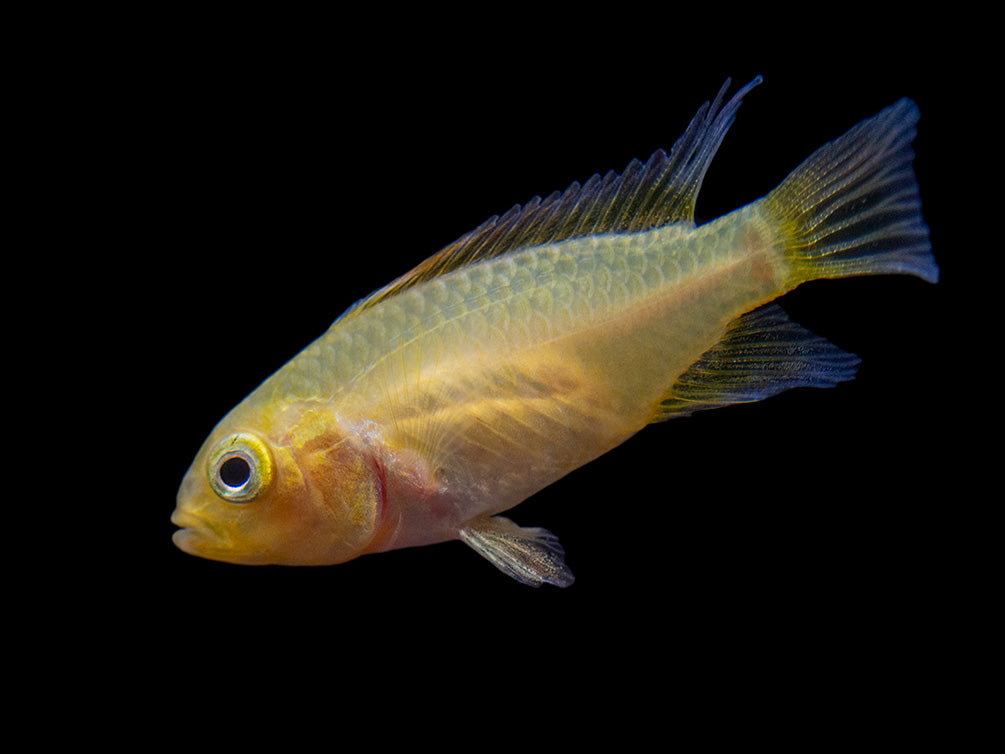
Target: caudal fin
<point>853,207</point>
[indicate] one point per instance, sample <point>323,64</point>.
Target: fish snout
<point>195,533</point>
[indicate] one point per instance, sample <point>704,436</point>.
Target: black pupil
<point>235,471</point>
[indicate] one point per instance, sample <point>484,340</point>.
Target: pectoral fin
<point>532,556</point>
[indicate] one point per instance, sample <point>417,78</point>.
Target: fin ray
<point>532,556</point>
<point>853,207</point>
<point>762,354</point>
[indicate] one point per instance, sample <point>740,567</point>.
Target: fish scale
<point>426,361</point>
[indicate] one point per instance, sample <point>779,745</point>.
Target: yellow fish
<point>541,340</point>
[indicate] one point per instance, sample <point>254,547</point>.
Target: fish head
<point>300,494</point>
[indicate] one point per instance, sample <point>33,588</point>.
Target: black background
<point>800,558</point>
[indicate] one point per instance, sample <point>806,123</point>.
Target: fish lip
<point>182,539</point>
<point>197,536</point>
<point>188,530</point>
<point>191,532</point>
<point>178,519</point>
<point>184,522</point>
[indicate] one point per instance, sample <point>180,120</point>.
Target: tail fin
<point>853,207</point>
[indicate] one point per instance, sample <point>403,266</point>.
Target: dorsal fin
<point>645,196</point>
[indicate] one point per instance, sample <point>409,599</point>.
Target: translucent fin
<point>853,207</point>
<point>644,196</point>
<point>762,354</point>
<point>531,556</point>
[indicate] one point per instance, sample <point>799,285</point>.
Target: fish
<point>541,340</point>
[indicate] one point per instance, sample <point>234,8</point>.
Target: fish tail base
<point>853,207</point>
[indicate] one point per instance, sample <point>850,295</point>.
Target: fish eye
<point>240,468</point>
<point>235,471</point>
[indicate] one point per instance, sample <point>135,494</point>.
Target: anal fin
<point>532,556</point>
<point>762,354</point>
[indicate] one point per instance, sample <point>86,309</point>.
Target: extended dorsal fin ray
<point>646,195</point>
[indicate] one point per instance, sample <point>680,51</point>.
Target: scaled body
<point>540,341</point>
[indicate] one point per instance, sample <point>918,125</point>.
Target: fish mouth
<point>194,535</point>
<point>200,537</point>
<point>188,535</point>
<point>202,542</point>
